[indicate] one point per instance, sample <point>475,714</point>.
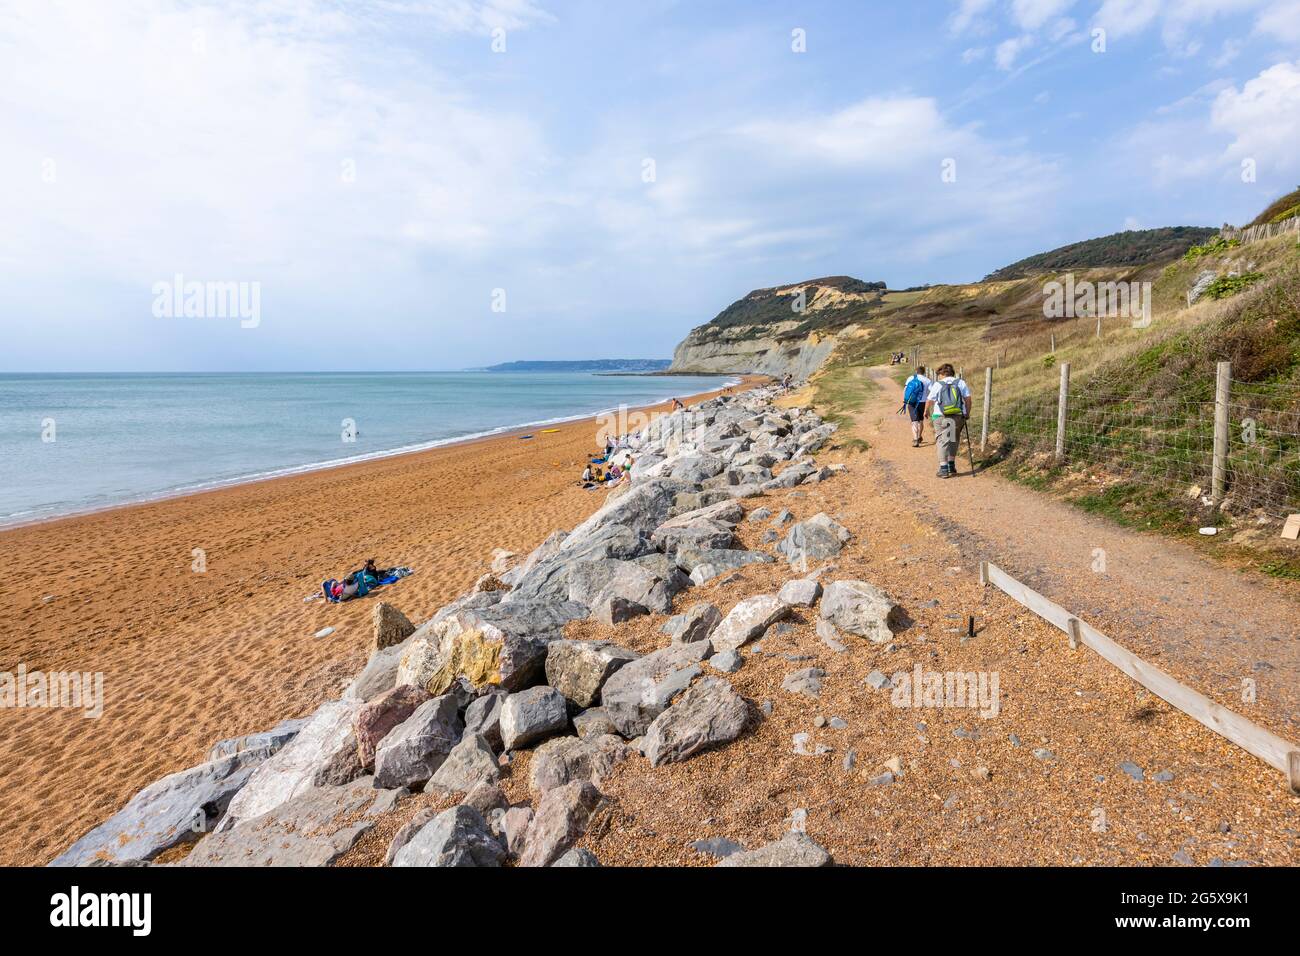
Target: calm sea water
<point>123,438</point>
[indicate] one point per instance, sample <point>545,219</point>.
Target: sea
<point>71,443</point>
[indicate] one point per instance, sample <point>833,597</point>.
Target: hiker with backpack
<point>948,404</point>
<point>915,392</point>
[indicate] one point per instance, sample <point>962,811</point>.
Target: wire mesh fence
<point>1164,443</point>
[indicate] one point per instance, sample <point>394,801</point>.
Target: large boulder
<point>591,582</point>
<point>179,808</point>
<point>697,623</point>
<point>314,828</point>
<point>641,690</point>
<point>455,837</point>
<point>747,621</point>
<point>274,739</point>
<point>373,721</point>
<point>560,821</point>
<point>391,626</point>
<point>640,510</point>
<point>483,716</point>
<point>413,751</point>
<point>548,580</point>
<point>859,608</point>
<point>714,564</point>
<point>579,669</point>
<point>818,538</point>
<point>701,533</point>
<point>531,716</point>
<point>379,675</point>
<point>324,753</point>
<point>464,644</point>
<point>793,849</point>
<point>470,763</point>
<point>563,760</point>
<point>709,713</point>
<point>801,592</point>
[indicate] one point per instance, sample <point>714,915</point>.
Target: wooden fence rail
<point>1268,747</point>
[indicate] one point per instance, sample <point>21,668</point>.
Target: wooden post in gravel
<point>1219,477</point>
<point>988,404</point>
<point>1061,403</point>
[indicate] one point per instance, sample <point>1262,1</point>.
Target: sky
<point>438,184</point>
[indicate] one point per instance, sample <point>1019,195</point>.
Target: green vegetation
<point>841,391</point>
<point>1129,248</point>
<point>1283,208</point>
<point>1225,286</point>
<point>1217,244</point>
<point>768,306</point>
<point>1146,415</point>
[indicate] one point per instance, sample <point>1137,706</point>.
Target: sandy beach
<point>189,658</point>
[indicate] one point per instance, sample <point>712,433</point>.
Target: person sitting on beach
<point>677,403</point>
<point>586,474</point>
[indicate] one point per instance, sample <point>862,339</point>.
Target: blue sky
<point>379,171</point>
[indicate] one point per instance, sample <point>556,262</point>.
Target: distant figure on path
<point>948,406</point>
<point>916,391</point>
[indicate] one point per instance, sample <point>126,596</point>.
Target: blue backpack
<point>914,394</point>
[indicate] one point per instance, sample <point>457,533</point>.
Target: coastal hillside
<point>1128,248</point>
<point>785,329</point>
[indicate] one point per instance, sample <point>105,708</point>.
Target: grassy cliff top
<point>1129,248</point>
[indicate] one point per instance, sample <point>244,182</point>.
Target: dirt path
<point>1208,625</point>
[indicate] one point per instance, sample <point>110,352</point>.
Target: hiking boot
<point>944,472</point>
<point>916,443</point>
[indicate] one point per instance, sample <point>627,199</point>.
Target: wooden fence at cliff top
<point>1266,230</point>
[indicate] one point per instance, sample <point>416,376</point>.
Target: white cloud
<point>1281,20</point>
<point>968,16</point>
<point>1008,50</point>
<point>1263,117</point>
<point>186,140</point>
<point>1032,14</point>
<point>972,54</point>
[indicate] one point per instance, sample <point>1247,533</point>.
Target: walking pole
<point>970,452</point>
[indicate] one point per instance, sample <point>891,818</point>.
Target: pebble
<point>894,765</point>
<point>716,846</point>
<point>1015,741</point>
<point>325,632</point>
<point>980,773</point>
<point>1133,770</point>
<point>850,759</point>
<point>1042,753</point>
<point>819,721</point>
<point>837,723</point>
<point>881,780</point>
<point>1164,776</point>
<point>965,734</point>
<point>727,661</point>
<point>1181,857</point>
<point>878,680</point>
<point>766,708</point>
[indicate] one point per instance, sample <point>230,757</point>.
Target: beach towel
<point>332,589</point>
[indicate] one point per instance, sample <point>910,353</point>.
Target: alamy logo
<point>75,908</point>
<point>971,689</point>
<point>55,689</point>
<point>180,299</point>
<point>1106,300</point>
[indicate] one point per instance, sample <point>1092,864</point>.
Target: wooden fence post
<point>988,405</point>
<point>1061,403</point>
<point>1053,343</point>
<point>1099,326</point>
<point>1219,479</point>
